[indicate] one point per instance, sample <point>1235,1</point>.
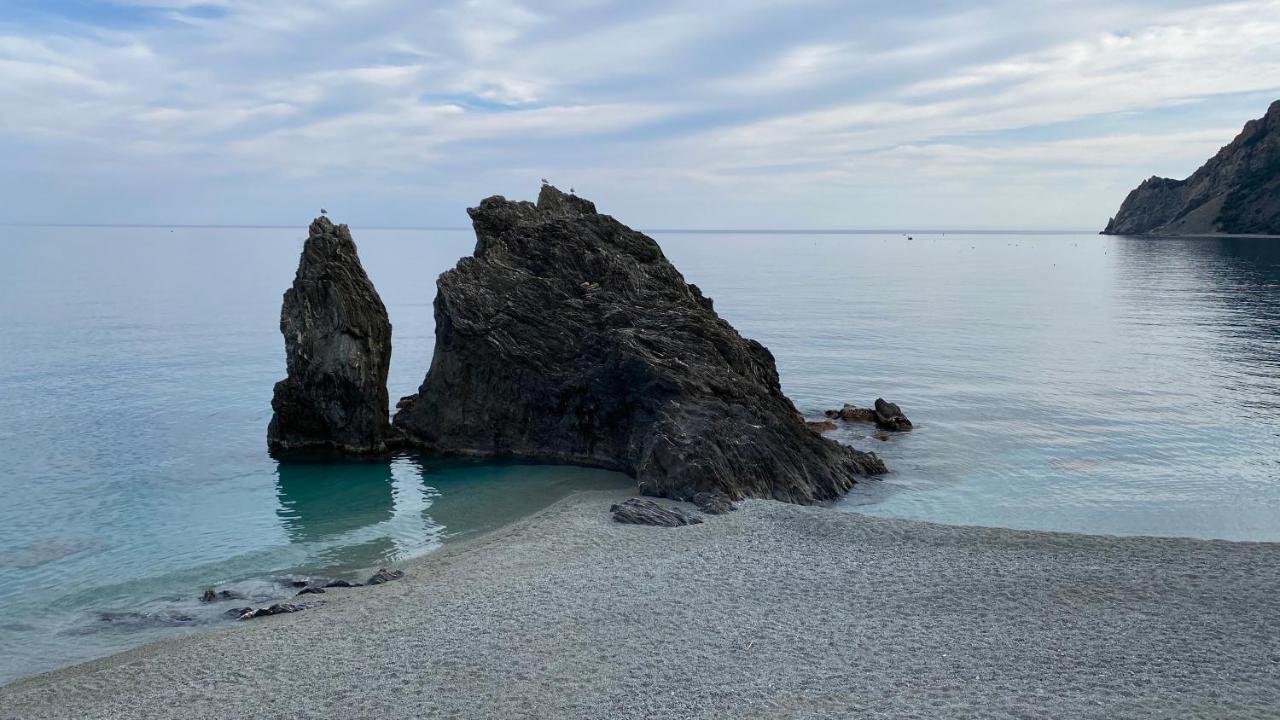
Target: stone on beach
<point>338,351</point>
<point>638,511</point>
<point>568,337</point>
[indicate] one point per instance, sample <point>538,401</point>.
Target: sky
<point>805,114</point>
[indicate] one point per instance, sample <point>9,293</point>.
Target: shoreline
<point>757,612</point>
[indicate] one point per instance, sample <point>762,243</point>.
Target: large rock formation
<point>569,338</point>
<point>1237,191</point>
<point>338,347</point>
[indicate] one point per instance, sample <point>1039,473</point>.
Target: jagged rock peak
<point>1236,191</point>
<point>337,350</point>
<point>570,338</point>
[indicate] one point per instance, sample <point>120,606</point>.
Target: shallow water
<point>1068,382</point>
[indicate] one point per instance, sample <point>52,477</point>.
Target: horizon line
<point>660,231</point>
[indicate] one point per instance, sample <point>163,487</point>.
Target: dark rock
<point>713,503</point>
<point>311,591</point>
<point>1236,191</point>
<point>890,417</point>
<point>384,575</point>
<point>338,350</point>
<point>637,511</point>
<point>852,413</point>
<point>276,609</point>
<point>567,337</point>
<point>212,595</point>
<point>820,426</point>
<point>342,584</point>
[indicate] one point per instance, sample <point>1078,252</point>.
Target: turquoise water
<point>1069,382</point>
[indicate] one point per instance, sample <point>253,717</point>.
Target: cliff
<point>1235,192</point>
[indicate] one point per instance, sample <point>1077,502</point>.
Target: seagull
<point>544,181</point>
<point>570,191</point>
<point>323,211</point>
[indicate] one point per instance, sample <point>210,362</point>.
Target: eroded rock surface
<point>568,337</point>
<point>338,349</point>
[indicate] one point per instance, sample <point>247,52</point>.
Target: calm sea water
<point>1068,382</point>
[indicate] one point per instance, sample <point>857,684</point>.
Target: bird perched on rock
<point>323,211</point>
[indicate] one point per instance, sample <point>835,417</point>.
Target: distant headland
<point>1237,192</point>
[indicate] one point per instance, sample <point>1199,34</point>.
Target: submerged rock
<point>820,426</point>
<point>311,591</point>
<point>713,503</point>
<point>384,576</point>
<point>568,337</point>
<point>889,416</point>
<point>338,350</point>
<point>637,511</point>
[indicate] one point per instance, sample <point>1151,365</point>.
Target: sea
<point>1057,381</point>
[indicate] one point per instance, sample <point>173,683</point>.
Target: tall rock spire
<point>338,349</point>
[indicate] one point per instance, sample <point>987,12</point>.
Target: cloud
<point>667,108</point>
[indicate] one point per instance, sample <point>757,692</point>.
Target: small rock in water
<point>637,511</point>
<point>311,591</point>
<point>384,575</point>
<point>852,413</point>
<point>212,595</point>
<point>713,503</point>
<point>890,417</point>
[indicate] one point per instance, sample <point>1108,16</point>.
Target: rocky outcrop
<point>338,350</point>
<point>637,511</point>
<point>1236,191</point>
<point>568,337</point>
